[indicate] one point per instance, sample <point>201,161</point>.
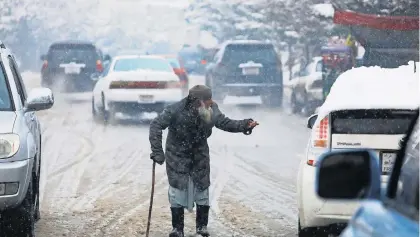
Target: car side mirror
<point>107,57</point>
<point>43,57</point>
<point>348,174</point>
<point>311,121</point>
<point>39,99</point>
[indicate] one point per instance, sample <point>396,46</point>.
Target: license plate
<point>250,71</point>
<point>146,99</point>
<point>72,70</point>
<point>388,160</point>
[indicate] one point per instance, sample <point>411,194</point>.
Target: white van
<point>366,108</point>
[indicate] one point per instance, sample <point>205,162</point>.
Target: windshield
<point>244,53</point>
<point>134,64</point>
<point>5,101</point>
<point>69,53</point>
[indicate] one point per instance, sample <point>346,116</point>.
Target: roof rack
<point>2,45</point>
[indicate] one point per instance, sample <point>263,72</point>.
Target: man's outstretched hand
<point>251,125</point>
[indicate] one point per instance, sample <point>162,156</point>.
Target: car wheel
<point>37,210</point>
<point>108,116</point>
<point>306,232</point>
<point>296,108</point>
<point>273,99</point>
<point>307,106</point>
<point>95,115</point>
<point>20,221</point>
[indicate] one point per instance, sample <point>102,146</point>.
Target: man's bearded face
<point>205,112</point>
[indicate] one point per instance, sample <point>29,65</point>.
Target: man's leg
<point>203,207</point>
<point>177,199</point>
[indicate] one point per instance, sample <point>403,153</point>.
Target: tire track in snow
<point>105,185</point>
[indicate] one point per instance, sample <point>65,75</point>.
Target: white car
<point>134,84</point>
<point>366,108</point>
<point>307,88</point>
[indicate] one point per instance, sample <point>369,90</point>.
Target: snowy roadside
<point>96,179</point>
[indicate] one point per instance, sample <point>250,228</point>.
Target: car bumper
<point>15,172</point>
<point>250,89</point>
<point>313,210</point>
<point>130,101</point>
<point>316,212</point>
<point>72,82</point>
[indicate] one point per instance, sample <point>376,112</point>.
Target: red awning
<point>401,23</point>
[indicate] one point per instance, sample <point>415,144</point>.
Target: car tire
<point>108,116</point>
<point>37,208</point>
<point>307,108</point>
<point>295,107</point>
<point>306,232</point>
<point>95,115</point>
<point>20,221</point>
<point>273,99</point>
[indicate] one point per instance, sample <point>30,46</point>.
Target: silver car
<point>20,149</point>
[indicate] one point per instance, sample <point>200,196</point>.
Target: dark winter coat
<point>187,151</point>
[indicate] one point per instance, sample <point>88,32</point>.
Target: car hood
<point>7,121</point>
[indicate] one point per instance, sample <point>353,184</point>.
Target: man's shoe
<point>202,220</point>
<point>177,222</point>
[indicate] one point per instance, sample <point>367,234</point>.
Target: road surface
<point>96,179</point>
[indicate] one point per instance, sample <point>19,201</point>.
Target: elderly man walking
<point>190,122</point>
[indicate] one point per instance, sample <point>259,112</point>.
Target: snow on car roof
<point>374,88</point>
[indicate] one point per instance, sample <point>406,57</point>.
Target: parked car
<point>20,149</point>
<point>71,63</point>
<point>355,117</point>
<point>306,88</point>
<point>355,175</point>
<point>246,68</point>
<point>134,84</point>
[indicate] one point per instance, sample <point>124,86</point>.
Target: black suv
<point>73,62</point>
<point>247,68</point>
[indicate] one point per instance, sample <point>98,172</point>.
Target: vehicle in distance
<point>70,64</point>
<point>20,149</point>
<point>134,84</point>
<point>246,68</point>
<point>179,70</point>
<point>307,87</point>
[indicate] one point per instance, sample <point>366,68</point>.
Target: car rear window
<point>371,121</point>
<point>5,101</point>
<point>134,64</point>
<point>78,53</point>
<point>259,53</point>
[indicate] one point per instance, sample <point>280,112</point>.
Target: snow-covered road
<point>97,179</point>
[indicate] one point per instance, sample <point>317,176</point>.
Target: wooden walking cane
<point>151,199</point>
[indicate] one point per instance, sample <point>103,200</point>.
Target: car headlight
<point>9,145</point>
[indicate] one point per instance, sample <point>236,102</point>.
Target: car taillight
<point>45,64</point>
<point>99,66</point>
<point>320,138</point>
<point>203,62</point>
